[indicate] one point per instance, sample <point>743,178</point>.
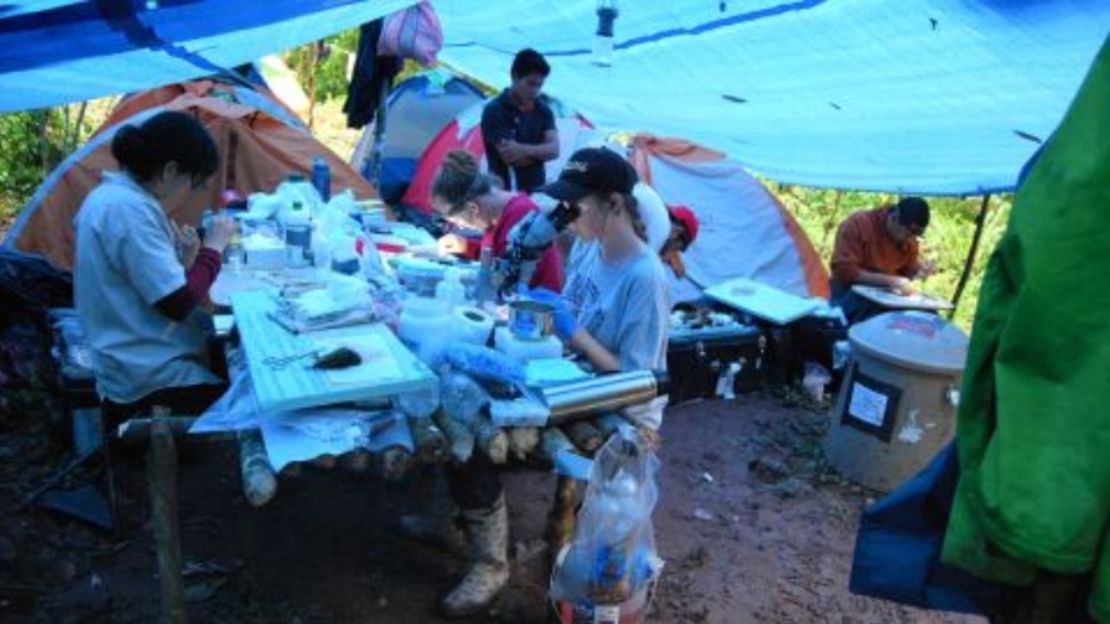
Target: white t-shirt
<point>125,262</point>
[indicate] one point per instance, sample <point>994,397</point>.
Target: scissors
<point>278,362</point>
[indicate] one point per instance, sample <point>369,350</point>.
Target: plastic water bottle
<point>321,177</point>
<point>451,290</point>
<point>298,234</point>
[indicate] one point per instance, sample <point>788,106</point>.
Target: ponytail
<point>166,137</point>
<point>632,207</point>
<point>459,180</point>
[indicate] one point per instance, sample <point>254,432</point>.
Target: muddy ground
<point>751,524</point>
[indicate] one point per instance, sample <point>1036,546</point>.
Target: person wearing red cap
<point>684,230</point>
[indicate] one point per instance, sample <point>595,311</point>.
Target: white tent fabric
<point>926,96</point>
<point>741,231</point>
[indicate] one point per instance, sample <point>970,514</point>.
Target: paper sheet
<point>377,360</point>
<point>867,405</point>
<point>304,435</point>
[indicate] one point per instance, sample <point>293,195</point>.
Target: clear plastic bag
<point>419,404</point>
<point>611,563</point>
<point>462,398</point>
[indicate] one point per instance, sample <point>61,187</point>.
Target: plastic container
<point>450,290</point>
<point>525,350</point>
<point>296,189</point>
<point>321,250</point>
<point>422,321</point>
<point>297,223</point>
<point>321,178</point>
<point>418,276</point>
<point>896,407</point>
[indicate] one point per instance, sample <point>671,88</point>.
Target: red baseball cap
<point>686,217</point>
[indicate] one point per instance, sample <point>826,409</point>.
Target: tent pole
<point>980,220</point>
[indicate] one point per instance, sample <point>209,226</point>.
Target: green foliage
<point>330,70</point>
<point>32,143</point>
<point>820,211</point>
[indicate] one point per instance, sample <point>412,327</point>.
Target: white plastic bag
<point>611,564</point>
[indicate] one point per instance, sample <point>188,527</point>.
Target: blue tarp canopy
<point>57,51</point>
<point>926,96</point>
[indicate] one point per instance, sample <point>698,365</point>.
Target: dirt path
<point>752,531</point>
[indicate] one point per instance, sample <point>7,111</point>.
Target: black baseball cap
<point>913,212</point>
<point>592,170</point>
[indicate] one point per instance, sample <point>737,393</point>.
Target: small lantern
<point>603,42</point>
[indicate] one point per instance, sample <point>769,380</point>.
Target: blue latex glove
<point>564,322</point>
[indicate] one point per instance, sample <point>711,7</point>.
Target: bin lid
<point>913,339</point>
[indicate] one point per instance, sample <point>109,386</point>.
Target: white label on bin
<point>867,405</point>
<point>607,614</point>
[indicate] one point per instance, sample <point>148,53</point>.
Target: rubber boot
<point>488,530</point>
<point>440,532</point>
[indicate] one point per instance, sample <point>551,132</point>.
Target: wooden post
<point>162,475</point>
<point>561,521</point>
<point>259,480</point>
<point>430,441</point>
<point>980,220</point>
<point>460,438</point>
<point>522,441</point>
<point>491,440</point>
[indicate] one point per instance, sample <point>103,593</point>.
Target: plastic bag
<point>462,398</point>
<point>611,564</point>
<point>413,33</point>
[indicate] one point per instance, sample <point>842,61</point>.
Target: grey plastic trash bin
<point>896,407</point>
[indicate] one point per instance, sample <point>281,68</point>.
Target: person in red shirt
<point>468,198</point>
<point>878,247</point>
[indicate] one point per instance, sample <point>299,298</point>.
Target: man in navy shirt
<point>518,127</point>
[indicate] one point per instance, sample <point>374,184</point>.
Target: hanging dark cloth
<point>373,75</point>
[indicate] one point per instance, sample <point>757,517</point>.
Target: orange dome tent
<point>260,143</point>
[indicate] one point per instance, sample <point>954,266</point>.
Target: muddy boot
<point>440,532</point>
<point>488,530</point>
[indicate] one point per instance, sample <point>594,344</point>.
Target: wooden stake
<point>522,441</point>
<point>609,423</point>
<point>561,521</point>
<point>325,462</point>
<point>259,480</point>
<point>491,440</point>
<point>395,462</point>
<point>460,438</point>
<point>162,475</point>
<point>552,442</point>
<point>431,443</point>
<point>584,435</point>
<point>357,461</point>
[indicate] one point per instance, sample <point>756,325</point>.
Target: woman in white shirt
<point>138,277</point>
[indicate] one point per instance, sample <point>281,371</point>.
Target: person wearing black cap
<point>878,247</point>
<point>616,295</point>
<point>617,317</point>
